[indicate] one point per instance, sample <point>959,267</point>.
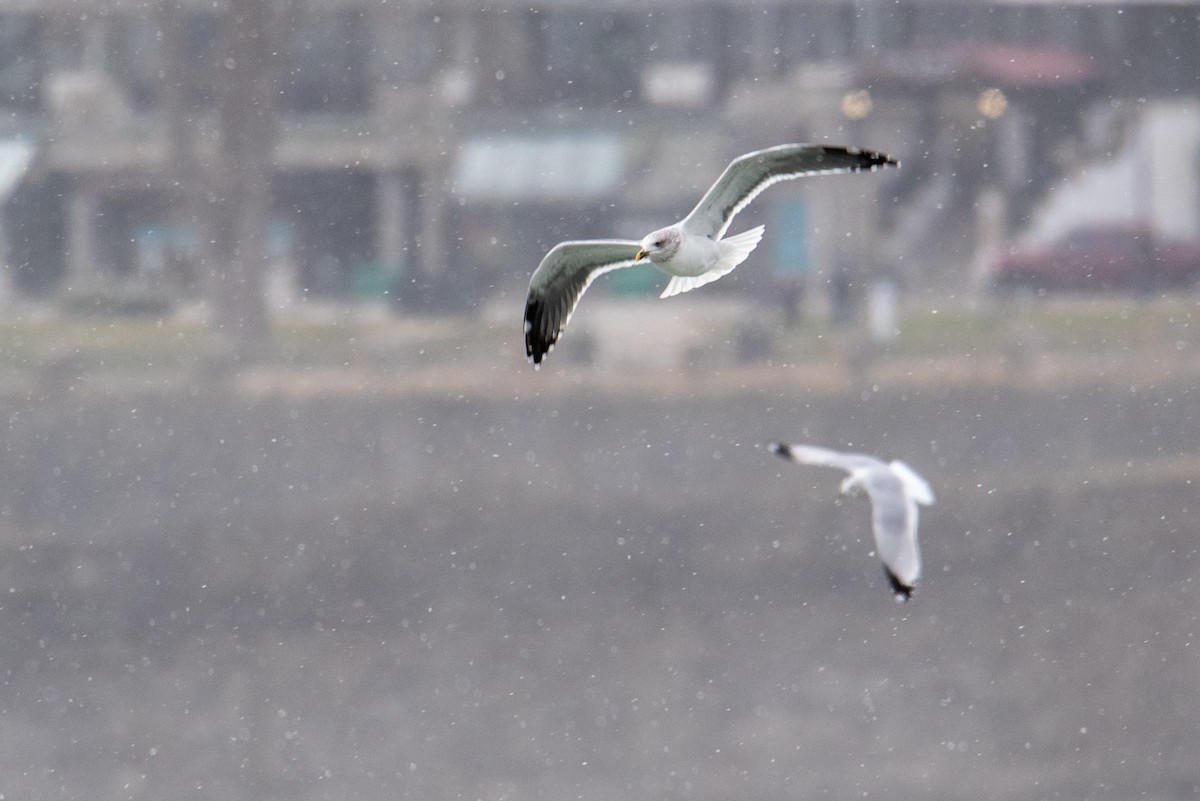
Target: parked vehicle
<point>1111,257</point>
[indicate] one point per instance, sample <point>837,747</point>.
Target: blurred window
<point>816,32</point>
<point>202,35</point>
<point>595,55</point>
<point>20,65</point>
<point>331,51</point>
<point>135,59</point>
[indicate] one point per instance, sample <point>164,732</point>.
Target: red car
<point>1112,257</point>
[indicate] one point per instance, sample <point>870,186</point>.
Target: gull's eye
<point>658,243</point>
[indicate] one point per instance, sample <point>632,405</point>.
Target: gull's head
<point>660,246</point>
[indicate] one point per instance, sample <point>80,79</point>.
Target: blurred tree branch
<point>223,171</point>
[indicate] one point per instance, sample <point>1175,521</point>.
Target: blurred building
<point>450,144</point>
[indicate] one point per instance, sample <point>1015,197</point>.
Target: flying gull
<point>691,251</point>
<point>895,489</point>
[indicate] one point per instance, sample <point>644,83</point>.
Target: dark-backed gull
<point>691,251</point>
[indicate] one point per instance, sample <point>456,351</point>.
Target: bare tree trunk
<point>185,170</point>
<point>230,195</point>
<point>246,87</point>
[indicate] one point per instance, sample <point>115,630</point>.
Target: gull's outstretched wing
<point>750,174</point>
<point>811,454</point>
<point>917,488</point>
<point>558,283</point>
<point>894,524</point>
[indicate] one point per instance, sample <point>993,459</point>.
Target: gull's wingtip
<point>877,159</point>
<point>904,592</point>
<point>536,345</point>
<point>874,159</point>
<point>781,449</point>
<point>536,355</point>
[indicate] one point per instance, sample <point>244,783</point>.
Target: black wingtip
<point>872,159</point>
<point>536,344</point>
<point>904,592</point>
<point>780,449</point>
<point>877,159</point>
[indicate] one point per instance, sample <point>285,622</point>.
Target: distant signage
<point>682,84</point>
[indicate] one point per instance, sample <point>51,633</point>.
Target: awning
<point>15,157</point>
<point>540,168</point>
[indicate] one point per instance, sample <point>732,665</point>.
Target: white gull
<point>895,489</point>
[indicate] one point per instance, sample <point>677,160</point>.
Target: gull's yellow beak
<point>641,254</point>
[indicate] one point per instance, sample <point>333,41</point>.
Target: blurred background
<point>285,514</point>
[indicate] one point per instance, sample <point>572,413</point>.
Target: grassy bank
<point>327,337</point>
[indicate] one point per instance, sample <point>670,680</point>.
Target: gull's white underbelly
<point>696,256</point>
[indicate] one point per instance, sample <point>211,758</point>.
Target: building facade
<point>435,149</point>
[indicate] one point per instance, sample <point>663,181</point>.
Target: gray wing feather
<point>560,280</point>
<point>748,175</point>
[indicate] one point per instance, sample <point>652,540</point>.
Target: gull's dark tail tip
<point>904,592</point>
<point>780,449</point>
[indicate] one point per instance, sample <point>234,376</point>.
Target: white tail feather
<point>685,283</point>
<point>733,251</point>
